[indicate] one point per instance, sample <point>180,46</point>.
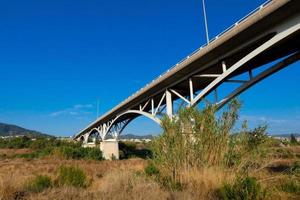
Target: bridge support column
<point>110,149</point>
<point>169,103</point>
<point>86,138</point>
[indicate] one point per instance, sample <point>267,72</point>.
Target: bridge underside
<point>241,62</point>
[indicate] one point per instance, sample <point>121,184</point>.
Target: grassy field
<point>192,159</point>
<point>126,179</point>
<point>101,178</point>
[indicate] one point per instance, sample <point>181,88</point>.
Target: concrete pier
<point>110,149</point>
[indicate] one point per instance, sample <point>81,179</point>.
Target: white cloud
<point>276,125</point>
<point>57,113</point>
<point>76,110</point>
<point>73,113</point>
<point>253,118</point>
<point>79,106</point>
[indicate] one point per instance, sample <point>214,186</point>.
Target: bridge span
<point>267,39</point>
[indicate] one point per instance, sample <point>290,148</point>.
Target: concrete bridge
<point>267,39</point>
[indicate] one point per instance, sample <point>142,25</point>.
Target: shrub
<point>291,186</point>
<point>293,140</point>
<point>71,176</point>
<point>50,146</point>
<point>151,170</point>
<point>36,154</point>
<point>295,168</point>
<point>285,153</point>
<point>257,137</point>
<point>94,154</point>
<point>26,155</point>
<point>40,144</point>
<point>122,155</point>
<point>233,155</point>
<point>130,149</point>
<point>38,184</point>
<point>17,142</point>
<point>242,189</point>
<point>69,152</point>
<point>66,152</point>
<point>248,150</point>
<point>44,152</point>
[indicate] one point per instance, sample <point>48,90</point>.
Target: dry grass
<point>203,183</point>
<point>128,185</point>
<point>14,151</point>
<point>15,172</point>
<point>11,152</point>
<point>24,168</point>
<point>124,180</point>
<point>8,188</point>
<point>109,180</point>
<point>114,185</point>
<point>63,193</point>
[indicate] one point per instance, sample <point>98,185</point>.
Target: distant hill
<point>13,130</point>
<point>132,136</point>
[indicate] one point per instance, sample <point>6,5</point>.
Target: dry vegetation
<point>125,179</point>
<point>196,157</point>
<point>104,178</point>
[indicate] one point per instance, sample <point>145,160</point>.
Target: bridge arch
<point>94,135</point>
<point>131,115</point>
<point>81,138</point>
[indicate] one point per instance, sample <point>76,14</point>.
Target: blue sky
<point>57,57</point>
